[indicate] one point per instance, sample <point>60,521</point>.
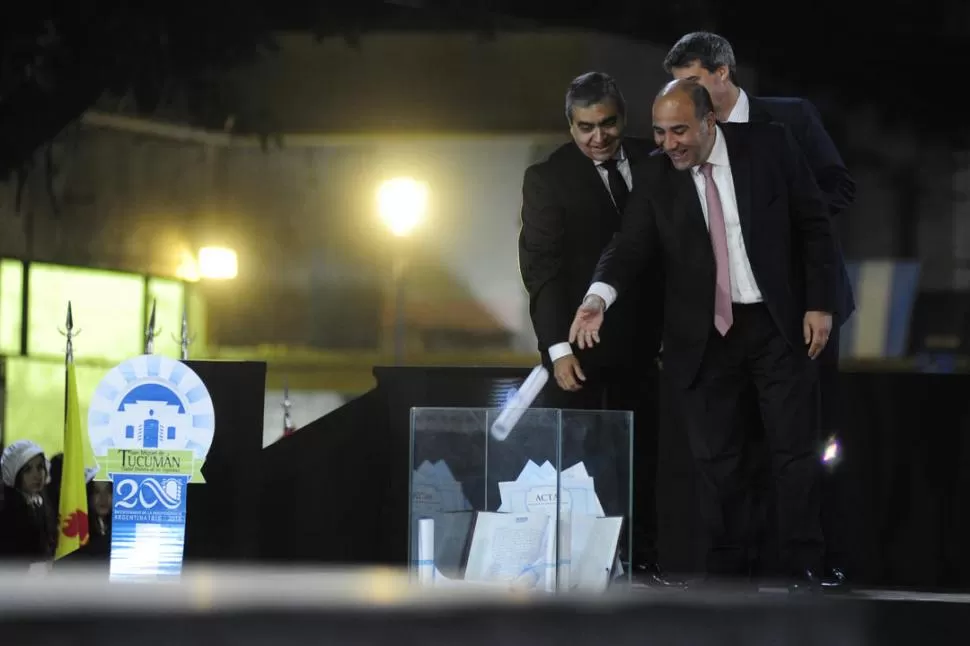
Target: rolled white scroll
<point>520,401</point>
<point>426,551</point>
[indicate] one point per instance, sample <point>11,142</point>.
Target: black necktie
<point>618,188</point>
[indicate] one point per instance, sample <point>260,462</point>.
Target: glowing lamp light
<point>188,268</point>
<point>218,263</point>
<point>402,203</point>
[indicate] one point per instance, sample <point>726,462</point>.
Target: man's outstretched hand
<point>585,330</point>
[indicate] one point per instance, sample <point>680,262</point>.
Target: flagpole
<point>287,404</point>
<point>72,506</point>
<point>150,331</point>
<point>69,335</point>
<point>185,340</point>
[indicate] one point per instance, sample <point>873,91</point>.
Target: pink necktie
<point>723,316</point>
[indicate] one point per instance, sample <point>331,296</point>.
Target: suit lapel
<point>592,183</point>
<point>741,171</point>
<point>687,201</point>
<point>632,152</point>
<point>757,112</point>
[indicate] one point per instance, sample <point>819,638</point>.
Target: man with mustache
<point>709,59</point>
<point>571,207</point>
<point>735,217</point>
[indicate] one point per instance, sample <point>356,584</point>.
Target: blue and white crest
<point>151,402</point>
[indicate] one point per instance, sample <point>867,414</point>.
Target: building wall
<point>109,197</point>
<point>454,110</point>
<point>301,216</point>
<point>418,82</point>
<point>911,199</point>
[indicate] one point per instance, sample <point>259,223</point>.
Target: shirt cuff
<point>559,350</point>
<point>604,291</point>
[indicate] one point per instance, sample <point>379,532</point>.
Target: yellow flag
<point>72,518</point>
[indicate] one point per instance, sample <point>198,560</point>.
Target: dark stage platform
<point>364,607</point>
<point>901,490</point>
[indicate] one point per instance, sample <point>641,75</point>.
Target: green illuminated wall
<point>11,305</point>
<point>108,309</point>
<point>34,406</point>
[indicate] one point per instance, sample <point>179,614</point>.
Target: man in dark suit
<point>571,207</point>
<point>748,256</point>
<point>709,59</point>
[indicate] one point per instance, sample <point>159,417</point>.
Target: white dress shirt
<point>622,165</point>
<point>744,287</point>
<point>741,111</point>
<point>560,350</point>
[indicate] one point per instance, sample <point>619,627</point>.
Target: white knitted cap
<point>15,457</point>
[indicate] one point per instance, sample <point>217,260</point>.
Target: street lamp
<point>188,267</point>
<point>402,203</point>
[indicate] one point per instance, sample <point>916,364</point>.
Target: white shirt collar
<point>619,156</point>
<point>742,109</point>
<point>719,153</point>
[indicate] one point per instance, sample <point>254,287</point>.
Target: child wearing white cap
<point>28,529</point>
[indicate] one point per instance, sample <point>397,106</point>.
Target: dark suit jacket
<point>27,533</point>
<point>568,218</point>
<point>837,186</point>
<point>786,229</point>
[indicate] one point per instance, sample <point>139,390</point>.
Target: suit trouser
<point>834,526</point>
<point>758,469</point>
<point>754,354</point>
<point>604,448</point>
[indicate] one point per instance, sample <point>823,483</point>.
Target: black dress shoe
<point>650,575</point>
<point>834,580</point>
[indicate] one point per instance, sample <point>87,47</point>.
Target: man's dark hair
<point>697,93</point>
<point>710,50</point>
<point>592,88</point>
